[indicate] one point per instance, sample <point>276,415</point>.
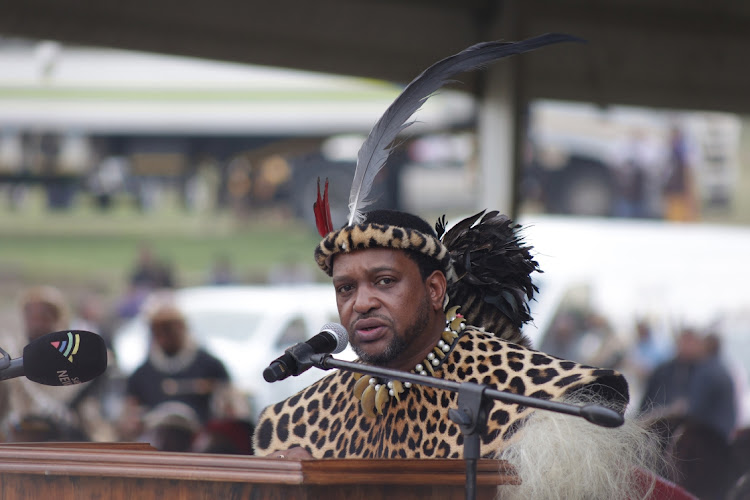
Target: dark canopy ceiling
<point>668,53</point>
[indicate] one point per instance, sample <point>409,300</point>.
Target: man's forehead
<point>41,308</point>
<point>369,259</point>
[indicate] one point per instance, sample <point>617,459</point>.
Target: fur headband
<point>384,229</point>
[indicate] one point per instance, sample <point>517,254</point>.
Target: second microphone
<point>333,338</point>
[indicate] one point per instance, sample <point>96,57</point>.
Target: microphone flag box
<point>65,358</point>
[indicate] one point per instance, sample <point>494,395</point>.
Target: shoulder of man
<point>537,373</point>
<point>211,362</point>
<point>272,431</point>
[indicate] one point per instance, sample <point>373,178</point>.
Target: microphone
<point>60,358</point>
<point>333,338</point>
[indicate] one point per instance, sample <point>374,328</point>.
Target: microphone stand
<point>10,368</point>
<point>474,402</point>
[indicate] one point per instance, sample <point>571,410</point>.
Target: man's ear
<point>436,286</point>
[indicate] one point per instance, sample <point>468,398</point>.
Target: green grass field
<point>86,248</point>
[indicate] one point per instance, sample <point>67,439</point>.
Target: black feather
<point>493,264</point>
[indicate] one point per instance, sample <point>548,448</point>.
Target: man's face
<point>40,319</point>
<point>169,334</point>
<point>383,303</point>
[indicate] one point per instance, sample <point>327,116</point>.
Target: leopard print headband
<point>377,235</point>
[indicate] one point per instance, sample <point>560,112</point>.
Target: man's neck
<point>410,360</point>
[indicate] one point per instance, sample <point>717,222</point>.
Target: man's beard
<point>400,340</point>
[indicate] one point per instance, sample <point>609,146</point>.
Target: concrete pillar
<point>497,139</point>
<point>499,114</point>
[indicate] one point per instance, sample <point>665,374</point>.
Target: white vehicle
<point>247,327</point>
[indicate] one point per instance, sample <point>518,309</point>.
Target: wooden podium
<point>134,471</point>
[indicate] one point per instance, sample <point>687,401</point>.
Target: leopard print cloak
<point>328,421</point>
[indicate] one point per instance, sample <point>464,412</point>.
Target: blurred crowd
<point>683,389</point>
<point>183,399</point>
<point>180,399</point>
<point>647,188</point>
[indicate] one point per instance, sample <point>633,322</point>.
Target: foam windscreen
<point>65,358</point>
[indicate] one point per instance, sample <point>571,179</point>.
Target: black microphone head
<point>65,358</point>
<point>338,331</point>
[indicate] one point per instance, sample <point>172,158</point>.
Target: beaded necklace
<point>373,394</point>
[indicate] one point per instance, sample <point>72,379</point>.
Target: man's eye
<point>344,288</point>
<point>385,281</point>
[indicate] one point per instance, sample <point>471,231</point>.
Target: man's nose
<point>365,300</point>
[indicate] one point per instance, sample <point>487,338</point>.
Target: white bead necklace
<point>373,394</point>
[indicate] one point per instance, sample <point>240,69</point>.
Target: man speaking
<point>449,304</point>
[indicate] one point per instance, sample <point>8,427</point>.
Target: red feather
<point>322,211</point>
<point>327,206</point>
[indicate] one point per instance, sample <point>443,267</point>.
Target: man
<point>668,386</point>
<point>447,304</point>
<point>73,412</point>
<point>44,310</point>
<point>390,276</point>
<point>176,369</point>
<point>711,394</point>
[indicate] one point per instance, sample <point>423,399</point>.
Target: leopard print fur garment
<point>328,421</point>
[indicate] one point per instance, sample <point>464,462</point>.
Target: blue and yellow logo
<point>69,347</point>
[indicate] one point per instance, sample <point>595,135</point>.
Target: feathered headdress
<point>491,273</point>
<point>375,150</point>
<point>483,257</point>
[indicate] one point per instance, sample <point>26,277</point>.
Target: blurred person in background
<point>711,396</point>
<point>171,426</point>
<point>694,385</point>
<point>44,310</point>
<point>741,489</point>
<point>92,315</point>
<point>222,272</point>
<point>701,459</point>
<point>666,391</point>
<point>106,180</point>
<point>148,274</point>
<point>740,453</point>
<point>647,351</point>
<point>631,178</point>
<point>562,339</point>
<point>585,336</point>
<point>644,355</point>
<point>177,369</point>
<point>598,344</point>
<point>679,186</point>
<point>690,400</point>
